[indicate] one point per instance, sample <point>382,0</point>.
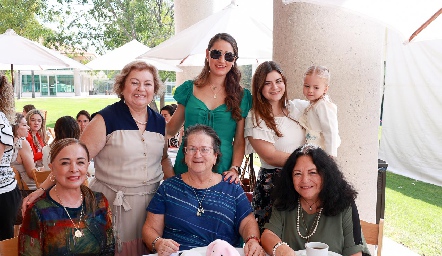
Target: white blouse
<point>293,133</point>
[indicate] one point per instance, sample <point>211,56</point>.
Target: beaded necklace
<point>138,122</point>
<point>312,228</point>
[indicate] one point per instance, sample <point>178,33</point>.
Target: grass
<point>413,214</point>
<point>58,107</point>
<point>413,209</point>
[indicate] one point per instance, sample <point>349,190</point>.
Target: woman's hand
<point>285,250</point>
<point>253,248</point>
<point>232,175</point>
<point>30,199</point>
<point>166,247</point>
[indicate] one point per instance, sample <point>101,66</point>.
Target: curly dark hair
<point>336,194</point>
<point>207,130</point>
<point>234,91</point>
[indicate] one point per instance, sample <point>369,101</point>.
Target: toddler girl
<point>320,117</point>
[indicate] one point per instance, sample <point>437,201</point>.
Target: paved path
<point>392,248</point>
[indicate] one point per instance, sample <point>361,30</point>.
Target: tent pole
<point>425,24</point>
<point>12,75</point>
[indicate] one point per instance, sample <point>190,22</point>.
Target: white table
<point>201,251</point>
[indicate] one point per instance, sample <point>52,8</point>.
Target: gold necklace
<point>78,232</point>
<point>213,87</point>
<point>200,209</point>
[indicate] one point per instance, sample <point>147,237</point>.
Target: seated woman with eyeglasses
<point>195,208</point>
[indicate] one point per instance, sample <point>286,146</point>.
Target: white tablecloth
<point>201,251</point>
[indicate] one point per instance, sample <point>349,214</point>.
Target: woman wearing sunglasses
<point>216,99</point>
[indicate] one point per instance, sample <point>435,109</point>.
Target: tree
<point>22,17</point>
<point>105,24</point>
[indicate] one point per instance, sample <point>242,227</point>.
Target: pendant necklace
<point>78,232</point>
<point>200,209</point>
<point>312,228</point>
<point>213,87</point>
<point>310,205</point>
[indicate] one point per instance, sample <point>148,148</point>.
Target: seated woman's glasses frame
<point>203,150</point>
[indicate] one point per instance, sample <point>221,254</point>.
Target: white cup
<point>316,249</point>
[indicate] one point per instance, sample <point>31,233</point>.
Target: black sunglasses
<point>228,56</point>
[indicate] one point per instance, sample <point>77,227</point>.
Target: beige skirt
<point>128,207</point>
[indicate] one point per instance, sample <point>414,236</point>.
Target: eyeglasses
<point>203,150</point>
<point>228,56</point>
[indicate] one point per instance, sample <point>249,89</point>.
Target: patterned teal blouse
<point>47,229</point>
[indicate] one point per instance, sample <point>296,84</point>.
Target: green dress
<point>219,119</point>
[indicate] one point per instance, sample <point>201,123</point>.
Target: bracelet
<point>44,190</point>
<point>234,167</point>
<point>253,237</point>
<point>153,243</point>
<point>276,247</point>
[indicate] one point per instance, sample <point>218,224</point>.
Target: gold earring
<point>52,178</point>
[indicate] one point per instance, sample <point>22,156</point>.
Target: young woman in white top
<point>272,129</point>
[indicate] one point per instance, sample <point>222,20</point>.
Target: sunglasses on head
<point>228,56</point>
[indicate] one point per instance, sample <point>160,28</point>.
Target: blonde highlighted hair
<point>320,71</point>
<point>42,130</point>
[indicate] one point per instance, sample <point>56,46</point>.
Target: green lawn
<point>58,107</point>
<point>413,214</point>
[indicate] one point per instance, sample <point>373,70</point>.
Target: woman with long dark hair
<point>313,202</point>
<point>216,99</point>
<point>272,129</point>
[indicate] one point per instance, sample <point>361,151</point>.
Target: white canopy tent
<point>119,57</point>
<point>188,47</point>
<point>411,140</point>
